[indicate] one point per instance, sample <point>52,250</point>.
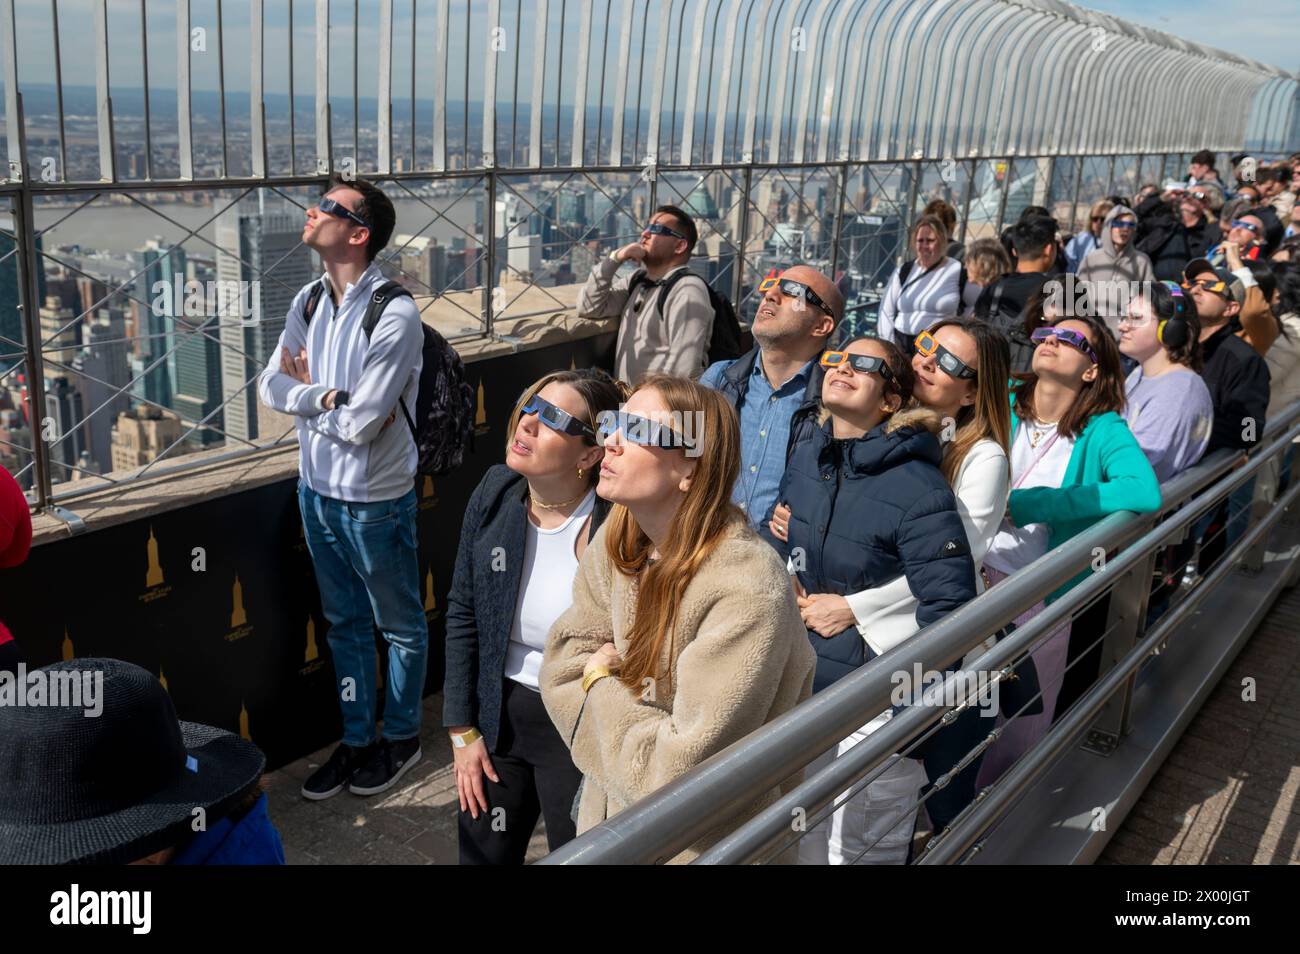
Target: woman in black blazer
<point>525,527</point>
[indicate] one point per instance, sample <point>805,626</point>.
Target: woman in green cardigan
<point>1073,461</point>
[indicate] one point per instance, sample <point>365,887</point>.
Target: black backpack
<point>444,403</point>
<point>725,338</point>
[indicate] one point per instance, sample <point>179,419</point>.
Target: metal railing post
<point>737,280</point>
<point>29,261</point>
<point>1125,623</point>
<point>843,189</point>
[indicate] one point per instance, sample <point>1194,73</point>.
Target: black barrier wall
<point>219,599</point>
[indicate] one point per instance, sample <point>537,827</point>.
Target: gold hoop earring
<point>580,473</point>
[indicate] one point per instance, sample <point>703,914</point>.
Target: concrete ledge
<point>225,470</point>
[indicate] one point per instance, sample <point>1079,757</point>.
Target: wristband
<point>465,739</point>
<point>613,257</point>
<point>589,680</point>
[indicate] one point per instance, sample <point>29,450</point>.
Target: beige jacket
<point>740,659</point>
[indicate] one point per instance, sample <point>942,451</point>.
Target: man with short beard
<point>674,342</point>
<point>776,386</point>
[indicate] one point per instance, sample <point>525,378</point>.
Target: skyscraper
<point>160,269</point>
<point>263,245</point>
<point>198,368</point>
<point>104,373</point>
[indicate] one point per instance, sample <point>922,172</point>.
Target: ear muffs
<point>1174,332</point>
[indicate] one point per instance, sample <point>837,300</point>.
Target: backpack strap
<point>904,270</point>
<point>379,299</point>
<point>313,299</point>
<point>672,281</point>
<point>961,289</point>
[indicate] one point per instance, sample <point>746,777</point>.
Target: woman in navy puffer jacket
<point>869,504</point>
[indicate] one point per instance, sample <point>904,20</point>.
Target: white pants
<point>881,815</point>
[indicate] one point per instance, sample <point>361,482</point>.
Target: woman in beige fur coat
<point>684,635</point>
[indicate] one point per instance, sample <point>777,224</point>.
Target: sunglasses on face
<point>557,419</point>
<point>864,363</point>
<point>640,430</point>
<point>948,362</point>
<point>1075,339</point>
<point>341,211</point>
<point>793,289</point>
<point>1124,224</point>
<point>1099,218</point>
<point>1249,227</point>
<point>1216,285</point>
<point>658,228</point>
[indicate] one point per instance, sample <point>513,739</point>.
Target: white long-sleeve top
<point>928,296</point>
<point>886,614</point>
<point>348,453</point>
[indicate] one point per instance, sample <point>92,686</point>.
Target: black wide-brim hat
<point>115,787</point>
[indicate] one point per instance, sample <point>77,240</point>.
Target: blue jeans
<point>368,571</point>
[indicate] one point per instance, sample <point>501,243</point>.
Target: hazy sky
<point>1265,30</point>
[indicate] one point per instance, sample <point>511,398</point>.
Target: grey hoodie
<point>1106,263</point>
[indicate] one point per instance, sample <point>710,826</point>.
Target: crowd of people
<point>673,554</point>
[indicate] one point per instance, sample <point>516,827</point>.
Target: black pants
<point>537,778</point>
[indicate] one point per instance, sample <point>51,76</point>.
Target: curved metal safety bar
<point>664,823</point>
<point>767,828</point>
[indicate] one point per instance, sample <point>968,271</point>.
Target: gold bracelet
<point>464,739</point>
<point>589,680</point>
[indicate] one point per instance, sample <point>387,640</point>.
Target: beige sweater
<point>740,659</point>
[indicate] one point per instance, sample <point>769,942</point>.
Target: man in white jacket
<point>357,460</point>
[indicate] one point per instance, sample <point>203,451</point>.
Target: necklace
<point>1038,431</point>
<point>555,506</point>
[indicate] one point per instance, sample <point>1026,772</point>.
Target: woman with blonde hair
<point>525,528</point>
<point>684,635</point>
<point>1090,238</point>
<point>986,262</point>
<point>924,289</point>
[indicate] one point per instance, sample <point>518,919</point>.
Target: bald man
<point>775,387</point>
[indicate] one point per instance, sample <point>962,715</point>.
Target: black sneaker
<point>390,761</point>
<point>329,779</point>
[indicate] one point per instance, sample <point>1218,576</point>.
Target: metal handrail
<point>672,818</point>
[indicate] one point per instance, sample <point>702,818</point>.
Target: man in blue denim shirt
<point>776,387</point>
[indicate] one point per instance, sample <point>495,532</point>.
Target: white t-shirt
<point>545,591</point>
<point>1043,465</point>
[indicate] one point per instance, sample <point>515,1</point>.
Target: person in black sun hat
<point>125,786</point>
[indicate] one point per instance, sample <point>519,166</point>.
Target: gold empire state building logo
<point>430,598</point>
<point>69,652</point>
<point>237,617</point>
<point>154,585</point>
<point>311,655</point>
<point>428,495</point>
<point>239,627</point>
<point>243,721</point>
<point>480,415</point>
<point>155,575</point>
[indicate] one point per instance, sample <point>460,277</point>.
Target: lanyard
<point>1034,463</point>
